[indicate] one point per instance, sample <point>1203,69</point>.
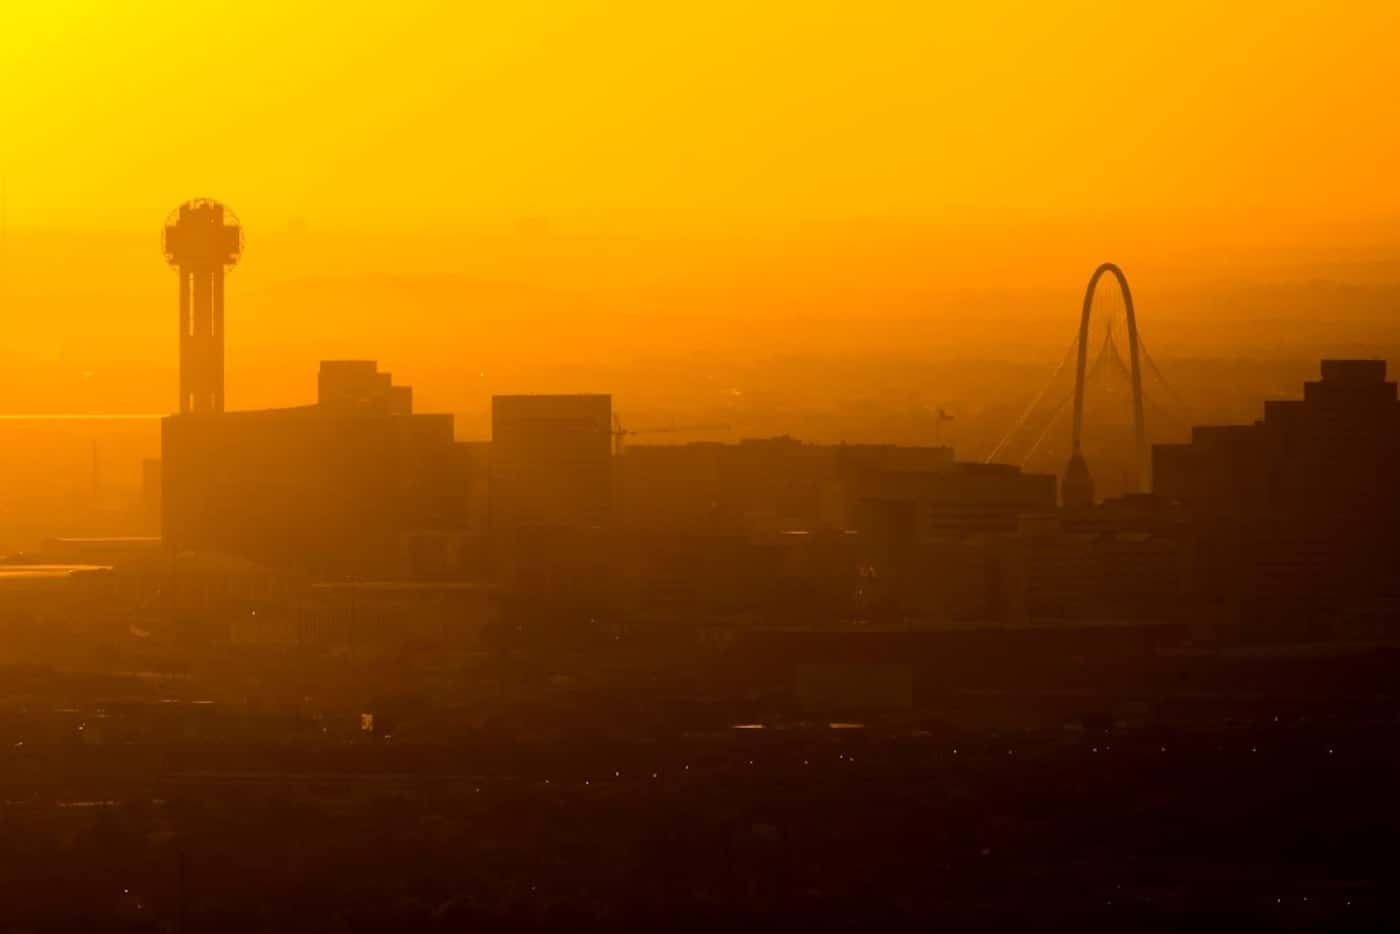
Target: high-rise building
<point>1297,510</point>
<point>1334,452</point>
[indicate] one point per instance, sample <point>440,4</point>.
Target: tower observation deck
<point>202,241</point>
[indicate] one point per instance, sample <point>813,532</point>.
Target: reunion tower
<point>202,240</point>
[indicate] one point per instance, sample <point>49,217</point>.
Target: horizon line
<point>78,416</point>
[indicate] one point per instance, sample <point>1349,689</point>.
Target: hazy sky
<point>487,196</point>
<point>609,114</point>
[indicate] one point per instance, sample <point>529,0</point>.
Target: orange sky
<point>609,114</point>
<point>418,178</point>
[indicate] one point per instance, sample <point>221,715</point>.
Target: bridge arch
<point>1077,465</point>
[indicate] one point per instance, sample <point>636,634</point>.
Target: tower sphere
<point>202,233</point>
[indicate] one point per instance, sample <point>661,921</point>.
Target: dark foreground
<point>1077,780</point>
<point>1288,824</point>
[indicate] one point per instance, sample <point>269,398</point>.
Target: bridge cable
<point>1016,425</point>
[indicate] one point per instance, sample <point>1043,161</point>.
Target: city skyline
<point>794,466</point>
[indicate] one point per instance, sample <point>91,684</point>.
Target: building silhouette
<point>1293,515</point>
<point>551,462</point>
<point>759,484</point>
<point>150,495</point>
<point>349,486</point>
<point>358,386</point>
<point>1332,453</point>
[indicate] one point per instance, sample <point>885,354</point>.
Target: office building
<point>1335,452</point>
<point>1294,516</point>
<point>340,488</point>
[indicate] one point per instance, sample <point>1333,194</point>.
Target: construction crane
<point>620,433</point>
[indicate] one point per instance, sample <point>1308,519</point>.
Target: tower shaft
<point>201,339</point>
